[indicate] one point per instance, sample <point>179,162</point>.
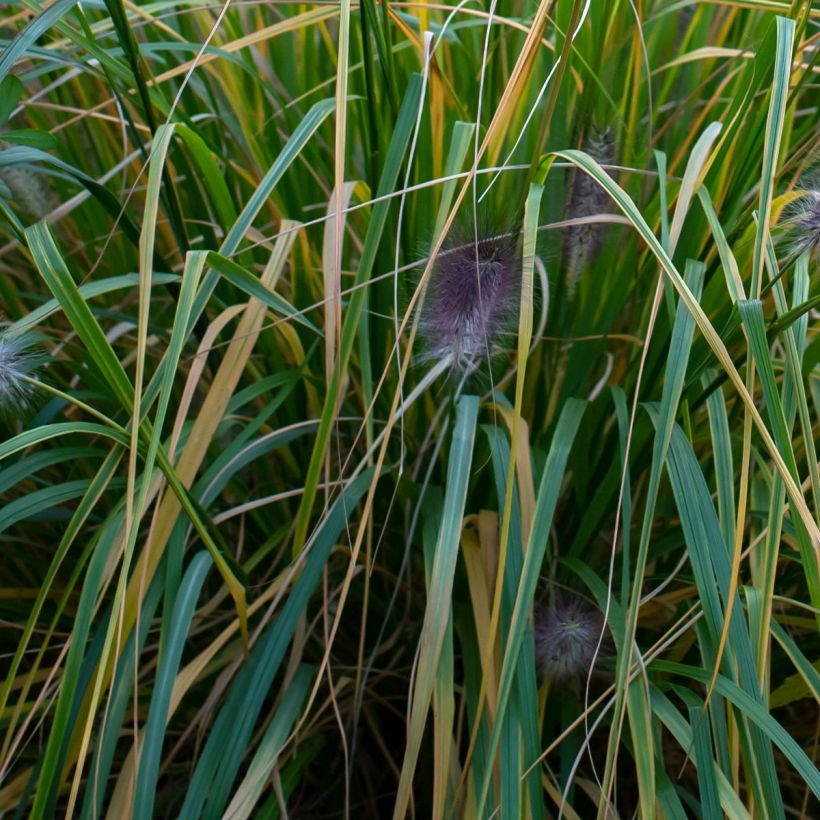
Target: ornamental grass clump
<point>275,507</point>
<point>569,633</point>
<point>472,299</point>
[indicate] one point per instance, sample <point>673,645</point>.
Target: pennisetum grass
<point>257,561</point>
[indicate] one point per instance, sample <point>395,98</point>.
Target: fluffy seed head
<point>29,188</point>
<point>803,222</point>
<point>582,242</point>
<point>472,298</point>
<point>566,636</point>
<point>18,359</point>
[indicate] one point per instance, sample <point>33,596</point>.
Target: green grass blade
<point>627,205</point>
<point>87,291</point>
<point>707,779</point>
<point>40,501</point>
<point>166,673</point>
<point>682,732</point>
<point>95,489</point>
<point>50,773</point>
<point>122,687</point>
<point>695,164</point>
<point>731,272</point>
<point>757,714</point>
<point>38,435</point>
<point>247,795</point>
<point>245,281</point>
<point>350,324</point>
<point>306,129</point>
<point>722,449</point>
<point>711,564</point>
<point>54,271</point>
<point>31,33</point>
<point>460,142</point>
<point>437,611</point>
<point>751,313</point>
<point>677,361</point>
<point>524,696</point>
<point>225,749</point>
<point>771,150</point>
<point>807,671</point>
<point>443,696</point>
<point>546,502</point>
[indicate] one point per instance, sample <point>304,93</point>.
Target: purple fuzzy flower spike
<point>587,198</point>
<point>567,634</point>
<point>472,299</point>
<point>803,220</point>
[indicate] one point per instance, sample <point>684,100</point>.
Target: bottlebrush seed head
<point>29,188</point>
<point>582,242</point>
<point>472,298</point>
<point>567,634</point>
<point>18,359</point>
<point>803,222</point>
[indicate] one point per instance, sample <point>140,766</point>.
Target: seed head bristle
<point>582,242</point>
<point>567,634</point>
<point>18,359</point>
<point>472,298</point>
<point>28,188</point>
<point>803,221</point>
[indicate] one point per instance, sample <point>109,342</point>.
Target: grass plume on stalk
<point>567,635</point>
<point>28,189</point>
<point>582,242</point>
<point>472,298</point>
<point>19,361</point>
<point>802,221</point>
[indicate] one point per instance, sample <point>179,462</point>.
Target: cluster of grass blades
<point>409,409</point>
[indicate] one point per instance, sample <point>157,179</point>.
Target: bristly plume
<point>18,359</point>
<point>567,634</point>
<point>28,187</point>
<point>582,242</point>
<point>803,221</point>
<point>472,298</point>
